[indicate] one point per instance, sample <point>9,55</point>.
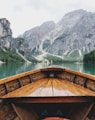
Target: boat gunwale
<point>20,75</point>
<point>81,74</point>
<point>48,72</point>
<point>17,76</point>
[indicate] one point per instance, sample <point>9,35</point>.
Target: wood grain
<point>51,87</point>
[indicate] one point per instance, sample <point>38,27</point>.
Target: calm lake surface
<point>13,69</point>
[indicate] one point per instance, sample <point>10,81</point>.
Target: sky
<point>26,14</point>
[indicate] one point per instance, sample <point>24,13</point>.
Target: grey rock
<point>73,35</point>
<point>5,33</point>
<point>75,32</point>
<point>36,36</point>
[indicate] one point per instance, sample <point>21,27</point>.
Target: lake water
<point>13,69</point>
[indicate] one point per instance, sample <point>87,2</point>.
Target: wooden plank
<point>30,78</point>
<point>25,114</point>
<point>63,87</point>
<point>46,69</point>
<point>20,82</point>
<point>74,79</point>
<point>37,88</point>
<point>17,112</point>
<point>11,78</point>
<point>75,89</point>
<point>26,90</point>
<point>40,90</point>
<point>80,90</point>
<point>7,88</point>
<point>4,110</point>
<point>80,73</point>
<point>60,99</point>
<point>87,112</point>
<point>85,82</point>
<point>17,118</point>
<point>83,111</point>
<point>47,89</point>
<point>59,90</point>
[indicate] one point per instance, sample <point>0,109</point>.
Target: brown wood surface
<point>49,99</point>
<point>11,78</point>
<point>51,87</point>
<point>46,70</point>
<point>25,114</point>
<point>50,82</point>
<point>85,75</point>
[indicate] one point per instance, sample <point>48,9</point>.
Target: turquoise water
<point>13,69</point>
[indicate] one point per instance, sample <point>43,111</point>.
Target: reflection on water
<point>10,69</point>
<point>89,68</point>
<point>86,68</point>
<point>73,66</point>
<point>13,68</point>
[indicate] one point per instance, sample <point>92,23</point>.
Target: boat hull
<point>27,108</point>
<point>47,93</point>
<point>48,82</point>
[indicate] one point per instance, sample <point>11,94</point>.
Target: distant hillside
<point>69,39</point>
<point>72,37</point>
<point>6,54</point>
<point>90,57</point>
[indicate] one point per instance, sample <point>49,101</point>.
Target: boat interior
<point>48,82</point>
<point>39,108</point>
<point>48,92</point>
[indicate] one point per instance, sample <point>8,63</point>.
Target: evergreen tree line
<point>89,57</point>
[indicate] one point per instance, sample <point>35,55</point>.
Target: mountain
<point>5,33</point>
<point>31,43</point>
<point>6,55</point>
<point>72,37</point>
<point>69,39</point>
<point>35,37</point>
<point>74,34</point>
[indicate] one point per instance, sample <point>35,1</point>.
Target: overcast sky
<point>26,14</point>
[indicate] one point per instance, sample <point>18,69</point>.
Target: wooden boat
<point>49,93</point>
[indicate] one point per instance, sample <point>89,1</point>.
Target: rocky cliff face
<point>36,36</point>
<point>8,53</point>
<point>31,43</point>
<point>5,33</point>
<point>74,35</point>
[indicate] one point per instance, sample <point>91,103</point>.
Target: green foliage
<point>56,59</point>
<point>90,57</point>
<point>72,59</point>
<point>7,56</point>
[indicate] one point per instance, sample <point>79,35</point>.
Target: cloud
<point>35,4</point>
<point>25,14</point>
